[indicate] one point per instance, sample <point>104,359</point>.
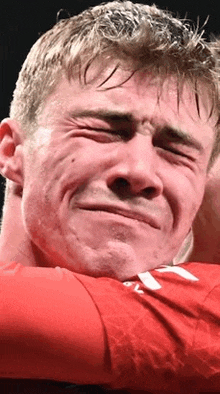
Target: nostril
<point>122,182</point>
<point>150,192</point>
<point>120,185</point>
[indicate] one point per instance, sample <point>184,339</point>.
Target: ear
<point>11,151</point>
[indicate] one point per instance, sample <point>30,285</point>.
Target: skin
<point>106,195</point>
<point>206,223</point>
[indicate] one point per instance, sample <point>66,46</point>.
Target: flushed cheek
<point>185,209</point>
<point>58,173</point>
<point>44,193</point>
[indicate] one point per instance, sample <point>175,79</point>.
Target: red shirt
<point>162,329</point>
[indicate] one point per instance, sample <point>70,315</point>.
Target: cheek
<point>184,192</point>
<point>59,171</point>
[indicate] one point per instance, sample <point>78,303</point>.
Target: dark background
<point>21,23</point>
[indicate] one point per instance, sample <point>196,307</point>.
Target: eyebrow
<point>168,132</point>
<point>107,115</point>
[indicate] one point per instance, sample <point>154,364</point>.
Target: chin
<point>117,260</point>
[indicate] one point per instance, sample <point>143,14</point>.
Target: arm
<point>49,327</point>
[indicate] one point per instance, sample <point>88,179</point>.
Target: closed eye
<point>168,138</point>
<point>170,153</point>
<point>123,134</point>
<point>175,151</point>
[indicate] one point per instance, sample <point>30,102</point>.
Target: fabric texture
<point>162,327</point>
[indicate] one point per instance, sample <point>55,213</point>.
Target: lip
<point>148,219</point>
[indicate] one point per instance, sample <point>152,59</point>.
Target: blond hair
<point>145,35</point>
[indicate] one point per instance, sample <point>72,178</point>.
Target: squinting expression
<point>114,177</point>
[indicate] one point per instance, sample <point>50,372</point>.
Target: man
<point>112,131</point>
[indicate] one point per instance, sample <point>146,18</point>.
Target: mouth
<point>145,218</point>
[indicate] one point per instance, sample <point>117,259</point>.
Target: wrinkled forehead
<point>138,99</point>
<point>193,97</point>
<point>193,94</point>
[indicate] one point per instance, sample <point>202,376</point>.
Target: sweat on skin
<point>111,179</point>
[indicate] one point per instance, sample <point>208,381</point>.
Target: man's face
<point>114,177</point>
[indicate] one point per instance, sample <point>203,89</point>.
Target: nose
<point>135,169</point>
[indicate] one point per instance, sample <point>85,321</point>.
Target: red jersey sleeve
<point>160,331</point>
<point>165,336</point>
<point>49,327</point>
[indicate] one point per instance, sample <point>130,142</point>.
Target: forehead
<point>140,94</point>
